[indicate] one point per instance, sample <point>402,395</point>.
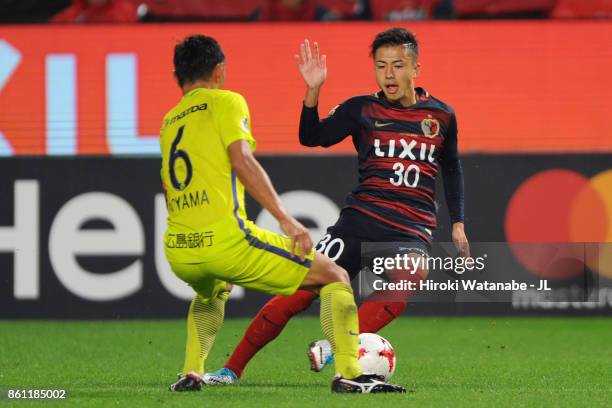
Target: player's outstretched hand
<point>312,67</point>
<point>301,243</point>
<point>460,240</point>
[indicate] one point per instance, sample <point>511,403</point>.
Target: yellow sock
<point>341,327</point>
<point>203,322</point>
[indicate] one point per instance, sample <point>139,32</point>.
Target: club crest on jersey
<point>430,127</point>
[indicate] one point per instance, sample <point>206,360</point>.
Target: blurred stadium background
<point>81,211</point>
<point>84,86</point>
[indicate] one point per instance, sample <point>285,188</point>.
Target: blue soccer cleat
<point>320,355</point>
<point>223,376</point>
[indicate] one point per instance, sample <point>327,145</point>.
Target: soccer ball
<point>376,355</point>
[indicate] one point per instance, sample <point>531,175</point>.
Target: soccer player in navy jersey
<point>402,135</point>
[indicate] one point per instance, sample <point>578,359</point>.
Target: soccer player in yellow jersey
<point>207,162</point>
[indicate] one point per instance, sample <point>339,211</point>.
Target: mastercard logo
<point>566,208</point>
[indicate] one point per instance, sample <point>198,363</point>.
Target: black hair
<point>195,58</point>
<point>396,36</point>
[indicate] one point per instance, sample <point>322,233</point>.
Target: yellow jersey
<point>204,197</point>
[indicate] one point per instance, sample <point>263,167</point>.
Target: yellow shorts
<point>258,259</point>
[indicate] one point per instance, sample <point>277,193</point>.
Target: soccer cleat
<point>364,384</point>
<point>223,376</point>
<point>320,355</point>
<point>190,382</point>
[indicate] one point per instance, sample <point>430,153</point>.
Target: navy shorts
<point>342,242</point>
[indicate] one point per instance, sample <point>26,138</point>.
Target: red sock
<point>268,324</point>
<point>382,307</point>
<point>373,316</point>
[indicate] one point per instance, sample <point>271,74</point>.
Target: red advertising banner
<point>516,86</point>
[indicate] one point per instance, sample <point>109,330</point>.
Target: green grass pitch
<point>442,361</point>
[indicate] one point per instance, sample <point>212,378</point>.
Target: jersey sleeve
<point>342,121</point>
<point>234,120</point>
<point>452,174</point>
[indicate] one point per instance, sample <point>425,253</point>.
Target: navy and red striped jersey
<point>399,150</point>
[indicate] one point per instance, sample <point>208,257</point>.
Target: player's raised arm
<point>259,186</point>
<point>313,69</point>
